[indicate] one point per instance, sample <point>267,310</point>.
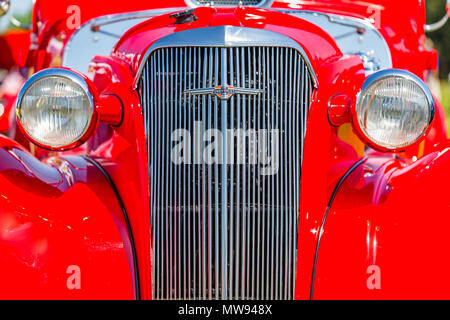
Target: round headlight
<point>56,109</point>
<point>394,110</point>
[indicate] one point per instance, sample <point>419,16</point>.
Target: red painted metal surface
<point>13,53</point>
<point>55,215</point>
<point>390,211</point>
<point>14,46</point>
<point>9,89</point>
<point>319,46</point>
<point>394,216</point>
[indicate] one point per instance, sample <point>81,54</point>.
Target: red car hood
<point>317,44</point>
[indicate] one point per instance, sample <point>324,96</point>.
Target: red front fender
<point>63,233</point>
<point>386,233</point>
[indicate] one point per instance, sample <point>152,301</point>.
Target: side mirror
<point>4,7</point>
<point>437,25</point>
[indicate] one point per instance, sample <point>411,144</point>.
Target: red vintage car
<point>253,149</point>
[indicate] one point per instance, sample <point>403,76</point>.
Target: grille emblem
<point>224,92</point>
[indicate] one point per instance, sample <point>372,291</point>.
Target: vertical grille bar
<point>225,229</point>
<point>272,178</point>
<point>216,180</point>
<point>238,179</point>
<point>210,213</point>
<point>258,112</point>
<point>230,210</point>
<point>204,178</point>
<point>224,182</point>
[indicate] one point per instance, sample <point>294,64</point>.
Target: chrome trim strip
<point>261,4</point>
<point>225,36</point>
<point>224,181</point>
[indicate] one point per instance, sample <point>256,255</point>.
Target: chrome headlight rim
<point>373,80</point>
<point>79,79</point>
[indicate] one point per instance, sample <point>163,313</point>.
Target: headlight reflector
<point>394,109</point>
<point>56,109</point>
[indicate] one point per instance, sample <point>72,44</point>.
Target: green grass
<point>445,92</point>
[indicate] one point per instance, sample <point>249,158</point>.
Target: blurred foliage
<point>440,38</point>
<point>445,90</point>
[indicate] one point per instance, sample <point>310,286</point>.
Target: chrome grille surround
<point>225,231</point>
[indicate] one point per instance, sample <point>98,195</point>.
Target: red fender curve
<point>386,235</point>
<point>63,233</point>
<point>14,46</point>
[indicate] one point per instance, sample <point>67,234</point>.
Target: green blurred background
<point>440,40</point>
<point>445,92</point>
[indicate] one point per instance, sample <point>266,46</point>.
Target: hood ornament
<point>224,92</point>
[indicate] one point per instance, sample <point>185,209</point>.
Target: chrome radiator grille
<point>225,229</point>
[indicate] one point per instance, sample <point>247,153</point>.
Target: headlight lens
<point>394,109</point>
<point>55,108</point>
